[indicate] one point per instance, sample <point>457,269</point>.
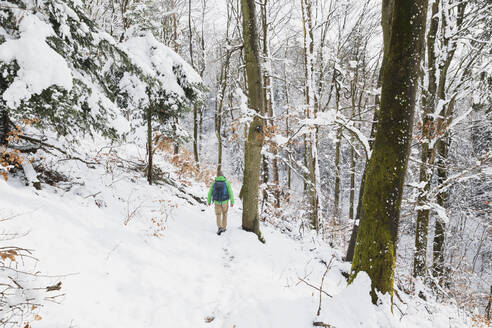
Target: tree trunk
<point>336,201</point>
<point>269,103</point>
<point>311,151</point>
<point>219,106</point>
<point>431,131</point>
<point>426,158</point>
<point>254,143</point>
<point>354,88</point>
<point>265,177</point>
<point>353,237</point>
<point>195,107</point>
<point>175,27</point>
<point>487,308</point>
<point>442,199</point>
<point>190,36</point>
<point>149,145</point>
<point>375,250</point>
<point>176,49</point>
<point>386,20</point>
<point>287,126</point>
<point>195,135</point>
<point>352,182</point>
<point>276,186</point>
<point>176,143</point>
<point>4,127</point>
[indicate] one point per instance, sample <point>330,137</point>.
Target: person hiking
<point>221,194</point>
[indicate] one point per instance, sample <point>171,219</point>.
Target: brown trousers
<point>221,213</point>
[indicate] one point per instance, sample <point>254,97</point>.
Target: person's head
<point>219,172</point>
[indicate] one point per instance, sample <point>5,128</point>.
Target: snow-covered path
<point>125,277</point>
<point>118,275</point>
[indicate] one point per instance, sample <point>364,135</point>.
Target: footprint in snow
<point>227,257</point>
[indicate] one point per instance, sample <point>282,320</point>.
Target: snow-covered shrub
<point>186,168</point>
<point>22,294</point>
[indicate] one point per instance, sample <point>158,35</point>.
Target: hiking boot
<point>219,231</point>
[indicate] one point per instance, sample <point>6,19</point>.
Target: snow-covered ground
<point>139,275</point>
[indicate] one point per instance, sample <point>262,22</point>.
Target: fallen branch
<point>174,184</point>
<point>322,324</point>
<point>186,198</point>
<point>43,144</point>
<point>25,149</point>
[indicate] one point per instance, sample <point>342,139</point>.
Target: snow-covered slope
<point>139,275</point>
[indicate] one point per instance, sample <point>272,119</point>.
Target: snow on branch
<point>40,66</point>
<point>330,118</point>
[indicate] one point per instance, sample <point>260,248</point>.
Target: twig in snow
<point>322,281</point>
<point>93,195</point>
<point>322,324</point>
<point>312,286</point>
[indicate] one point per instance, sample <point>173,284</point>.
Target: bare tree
<point>254,143</point>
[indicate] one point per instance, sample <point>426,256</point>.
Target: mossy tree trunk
<point>375,249</point>
<point>254,143</point>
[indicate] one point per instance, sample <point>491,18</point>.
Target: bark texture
<point>254,143</point>
<point>375,249</point>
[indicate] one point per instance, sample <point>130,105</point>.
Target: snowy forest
<point>245,163</point>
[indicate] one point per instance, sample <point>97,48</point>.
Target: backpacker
<point>220,193</point>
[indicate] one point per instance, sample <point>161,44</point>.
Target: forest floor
<point>133,255</point>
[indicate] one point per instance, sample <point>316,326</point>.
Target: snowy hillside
<point>133,255</point>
